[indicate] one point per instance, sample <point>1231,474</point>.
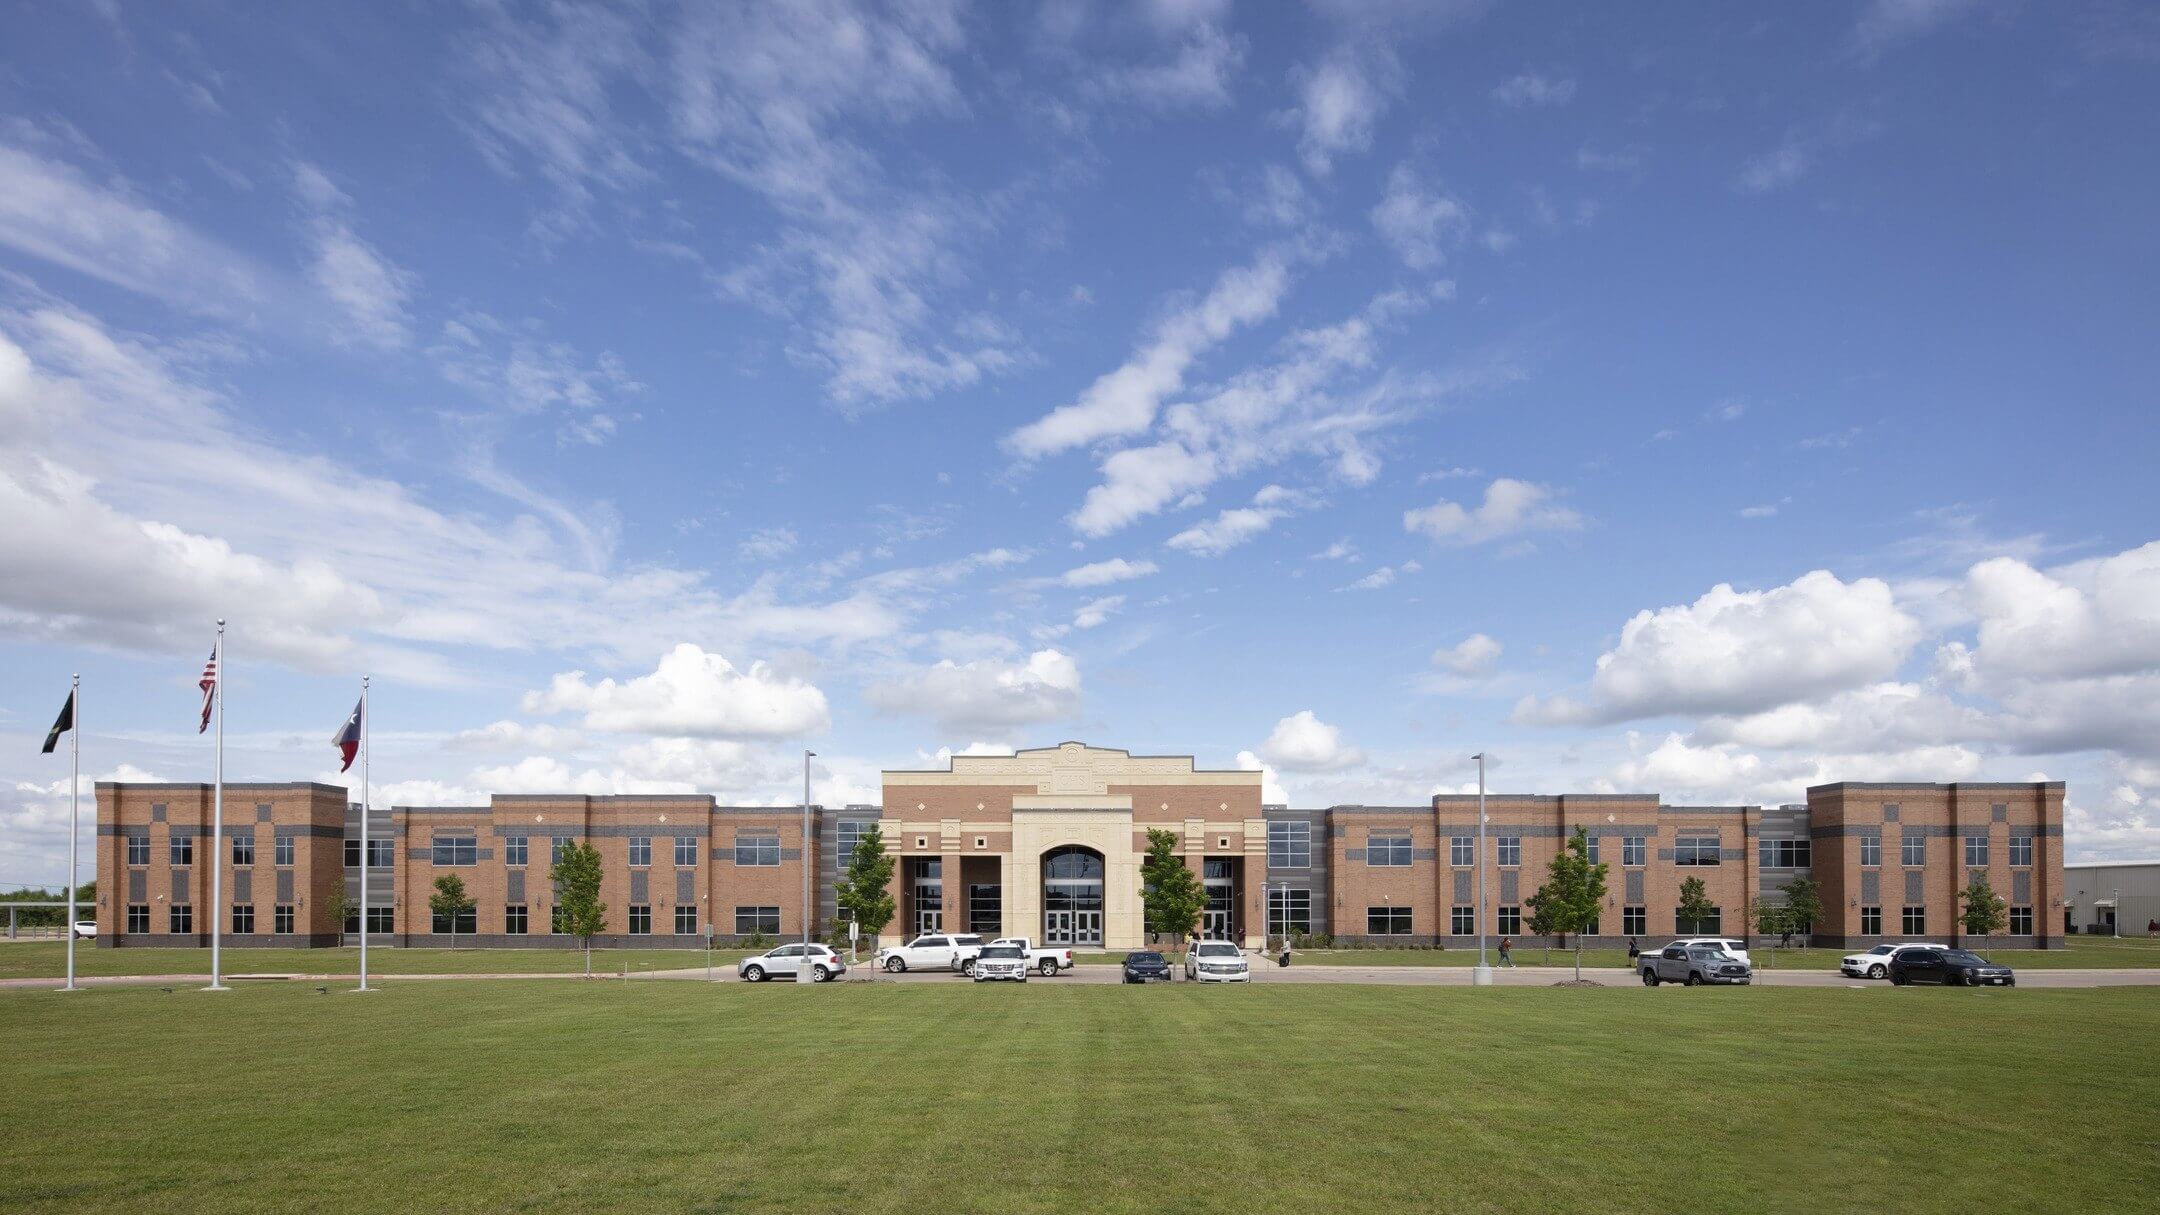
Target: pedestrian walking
<point>1507,952</point>
<point>1632,953</point>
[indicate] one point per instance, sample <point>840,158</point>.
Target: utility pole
<point>804,972</point>
<point>1481,975</point>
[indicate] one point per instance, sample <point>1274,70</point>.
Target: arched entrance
<point>1072,897</point>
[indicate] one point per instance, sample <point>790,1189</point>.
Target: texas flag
<point>348,739</point>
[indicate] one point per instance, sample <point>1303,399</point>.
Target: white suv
<point>1875,963</point>
<point>786,961</point>
<point>1217,962</point>
<point>1000,961</point>
<point>1733,946</point>
<point>931,951</point>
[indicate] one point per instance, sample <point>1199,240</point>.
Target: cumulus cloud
<point>767,543</point>
<point>1102,573</point>
<point>1472,656</point>
<point>985,694</point>
<point>690,694</point>
<point>1302,742</point>
<point>507,736</point>
<point>1510,507</point>
<point>2099,617</point>
<point>1095,611</point>
<point>1383,577</point>
<point>1418,220</point>
<point>1339,100</point>
<point>1271,789</point>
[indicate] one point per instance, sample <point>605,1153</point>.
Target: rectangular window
<point>1508,922</point>
<point>1387,921</point>
<point>243,850</point>
<point>464,923</point>
<point>1976,851</point>
<point>138,917</point>
<point>750,920</point>
<point>2021,850</point>
<point>1510,850</point>
<point>1462,851</point>
<point>1871,921</point>
<point>514,850</point>
<point>1871,850</point>
<point>1912,849</point>
<point>2021,921</point>
<point>183,850</point>
<point>640,920</point>
<point>640,851</point>
<point>180,918</point>
<point>986,908</point>
<point>686,851</point>
<point>759,848</point>
<point>1289,845</point>
<point>138,850</point>
<point>1787,854</point>
<point>846,834</point>
<point>352,854</point>
<point>1634,849</point>
<point>381,920</point>
<point>1289,911</point>
<point>458,848</point>
<point>1462,921</point>
<point>281,919</point>
<point>281,847</point>
<point>1390,850</point>
<point>1708,926</point>
<point>1593,855</point>
<point>243,918</point>
<point>560,845</point>
<point>514,919</point>
<point>686,921</point>
<point>1695,850</point>
<point>1635,921</point>
<point>1915,921</point>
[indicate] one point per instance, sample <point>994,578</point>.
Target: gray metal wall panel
<point>1508,888</point>
<point>181,885</point>
<point>686,886</point>
<point>2021,887</point>
<point>1913,888</point>
<point>1635,887</point>
<point>284,885</point>
<point>243,886</point>
<point>138,886</point>
<point>1871,888</point>
<point>1463,893</point>
<point>514,886</point>
<point>640,886</point>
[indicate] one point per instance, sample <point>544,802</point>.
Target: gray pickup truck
<point>1694,965</point>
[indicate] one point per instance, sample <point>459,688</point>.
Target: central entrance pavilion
<point>1047,843</point>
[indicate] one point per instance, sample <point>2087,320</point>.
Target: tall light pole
<point>804,968</point>
<point>1481,974</point>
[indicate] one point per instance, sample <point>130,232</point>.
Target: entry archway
<point>1072,897</point>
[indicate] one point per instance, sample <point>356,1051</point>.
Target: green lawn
<point>2082,953</point>
<point>556,1096</point>
<point>35,959</point>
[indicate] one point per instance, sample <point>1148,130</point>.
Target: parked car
<point>1001,960</point>
<point>86,928</point>
<point>1694,965</point>
<point>786,962</point>
<point>931,951</point>
<point>1732,945</point>
<point>1217,962</point>
<point>1147,966</point>
<point>1046,962</point>
<point>1949,967</point>
<point>1875,963</point>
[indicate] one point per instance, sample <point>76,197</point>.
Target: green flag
<point>61,725</point>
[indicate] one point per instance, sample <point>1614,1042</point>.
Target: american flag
<point>209,689</point>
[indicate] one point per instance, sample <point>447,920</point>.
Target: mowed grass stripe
<point>554,1096</point>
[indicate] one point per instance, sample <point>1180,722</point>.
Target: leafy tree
<point>1803,905</point>
<point>338,905</point>
<point>1695,905</point>
<point>865,890</point>
<point>1172,895</point>
<point>1542,923</point>
<point>450,901</point>
<point>577,879</point>
<point>1985,912</point>
<point>1770,919</point>
<point>1573,892</point>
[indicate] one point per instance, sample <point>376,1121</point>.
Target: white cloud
<point>1341,550</point>
<point>766,543</point>
<point>1124,401</point>
<point>1196,77</point>
<point>509,736</point>
<point>1095,611</point>
<point>1339,100</point>
<point>1884,23</point>
<point>986,694</point>
<point>2099,617</point>
<point>1302,742</point>
<point>369,292</point>
<point>1271,789</point>
<point>1419,221</point>
<point>1510,507</point>
<point>1531,89</point>
<point>1779,167</point>
<point>691,694</point>
<point>1472,656</point>
<point>1383,577</point>
<point>1230,528</point>
<point>1103,573</point>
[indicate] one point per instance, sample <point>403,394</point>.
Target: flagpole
<point>74,814</point>
<point>367,755</point>
<point>217,827</point>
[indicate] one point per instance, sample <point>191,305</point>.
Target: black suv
<point>1146,966</point>
<point>1950,967</point>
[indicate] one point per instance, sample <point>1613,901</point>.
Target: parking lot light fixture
<point>1481,974</point>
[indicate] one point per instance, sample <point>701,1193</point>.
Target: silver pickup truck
<point>1694,965</point>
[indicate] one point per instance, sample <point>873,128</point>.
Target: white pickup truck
<point>931,951</point>
<point>1046,962</point>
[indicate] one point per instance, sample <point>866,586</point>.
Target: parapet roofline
<point>2006,785</point>
<point>209,786</point>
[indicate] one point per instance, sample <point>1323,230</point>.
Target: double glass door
<point>1072,928</point>
<point>1215,924</point>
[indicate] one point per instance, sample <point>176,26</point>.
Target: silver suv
<point>1693,965</point>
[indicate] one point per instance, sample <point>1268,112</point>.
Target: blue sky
<point>1687,400</point>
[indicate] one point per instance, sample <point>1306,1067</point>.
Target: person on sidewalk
<point>1507,951</point>
<point>1632,953</point>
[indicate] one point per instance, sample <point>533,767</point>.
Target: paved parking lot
<point>1522,976</point>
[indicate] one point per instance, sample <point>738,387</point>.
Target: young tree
<point>1985,912</point>
<point>1771,919</point>
<point>450,901</point>
<point>1803,906</point>
<point>1695,905</point>
<point>865,891</point>
<point>577,878</point>
<point>1172,895</point>
<point>1573,892</point>
<point>339,906</point>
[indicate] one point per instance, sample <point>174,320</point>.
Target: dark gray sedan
<point>1146,966</point>
<point>1949,967</point>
